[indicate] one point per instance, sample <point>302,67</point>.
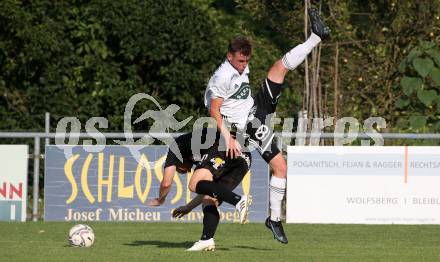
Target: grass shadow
<point>252,248</point>
<point>160,244</point>
<point>164,244</point>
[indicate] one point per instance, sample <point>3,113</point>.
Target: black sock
<point>212,189</point>
<point>211,217</point>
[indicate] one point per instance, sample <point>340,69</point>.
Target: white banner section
<point>363,185</point>
<point>13,182</point>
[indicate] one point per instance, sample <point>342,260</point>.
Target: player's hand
<point>234,148</point>
<point>181,211</point>
<point>155,202</point>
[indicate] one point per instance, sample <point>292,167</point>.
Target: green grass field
<point>252,242</point>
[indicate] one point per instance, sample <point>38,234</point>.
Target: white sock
<point>298,54</point>
<point>277,190</point>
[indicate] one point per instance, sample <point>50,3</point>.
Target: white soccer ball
<point>81,236</point>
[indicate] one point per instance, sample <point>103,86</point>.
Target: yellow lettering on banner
<point>109,181</point>
<point>143,162</point>
<point>123,191</point>
<point>229,216</point>
<point>188,193</point>
<point>69,174</point>
<point>246,183</point>
<point>84,182</point>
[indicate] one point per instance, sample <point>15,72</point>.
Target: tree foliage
<point>87,58</point>
<point>420,84</point>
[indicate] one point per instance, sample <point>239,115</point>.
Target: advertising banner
<point>13,182</point>
<point>363,185</point>
<point>91,183</point>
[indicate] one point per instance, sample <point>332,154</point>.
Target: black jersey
<point>192,153</point>
<point>226,171</point>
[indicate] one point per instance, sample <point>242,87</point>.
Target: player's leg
<point>211,218</point>
<point>292,59</point>
<point>298,54</point>
<point>271,89</point>
<point>265,104</point>
<point>277,185</point>
<point>201,182</point>
<point>266,100</point>
<point>214,165</point>
<point>277,190</point>
<point>234,174</point>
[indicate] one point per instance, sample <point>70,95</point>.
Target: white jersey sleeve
<point>218,87</point>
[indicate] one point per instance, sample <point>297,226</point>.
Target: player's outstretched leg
<point>298,54</point>
<point>318,26</point>
<point>276,74</point>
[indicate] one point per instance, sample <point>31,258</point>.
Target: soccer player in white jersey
<point>227,98</point>
<point>230,88</point>
<point>228,95</point>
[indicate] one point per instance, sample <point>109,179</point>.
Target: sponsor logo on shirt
<point>242,92</point>
<point>217,162</point>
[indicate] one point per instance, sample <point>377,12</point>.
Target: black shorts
<point>232,179</point>
<point>258,127</point>
<point>225,170</point>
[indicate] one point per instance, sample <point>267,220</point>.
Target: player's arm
<point>183,210</point>
<point>165,186</point>
<point>233,147</point>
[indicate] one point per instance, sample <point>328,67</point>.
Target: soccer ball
<point>81,236</point>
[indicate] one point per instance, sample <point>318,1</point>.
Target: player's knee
<point>279,168</point>
<point>277,72</point>
<point>208,202</point>
<point>280,172</point>
<point>192,185</point>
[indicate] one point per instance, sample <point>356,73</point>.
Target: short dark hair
<point>240,44</point>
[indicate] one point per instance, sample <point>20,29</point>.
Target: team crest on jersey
<point>242,92</point>
<point>217,162</point>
